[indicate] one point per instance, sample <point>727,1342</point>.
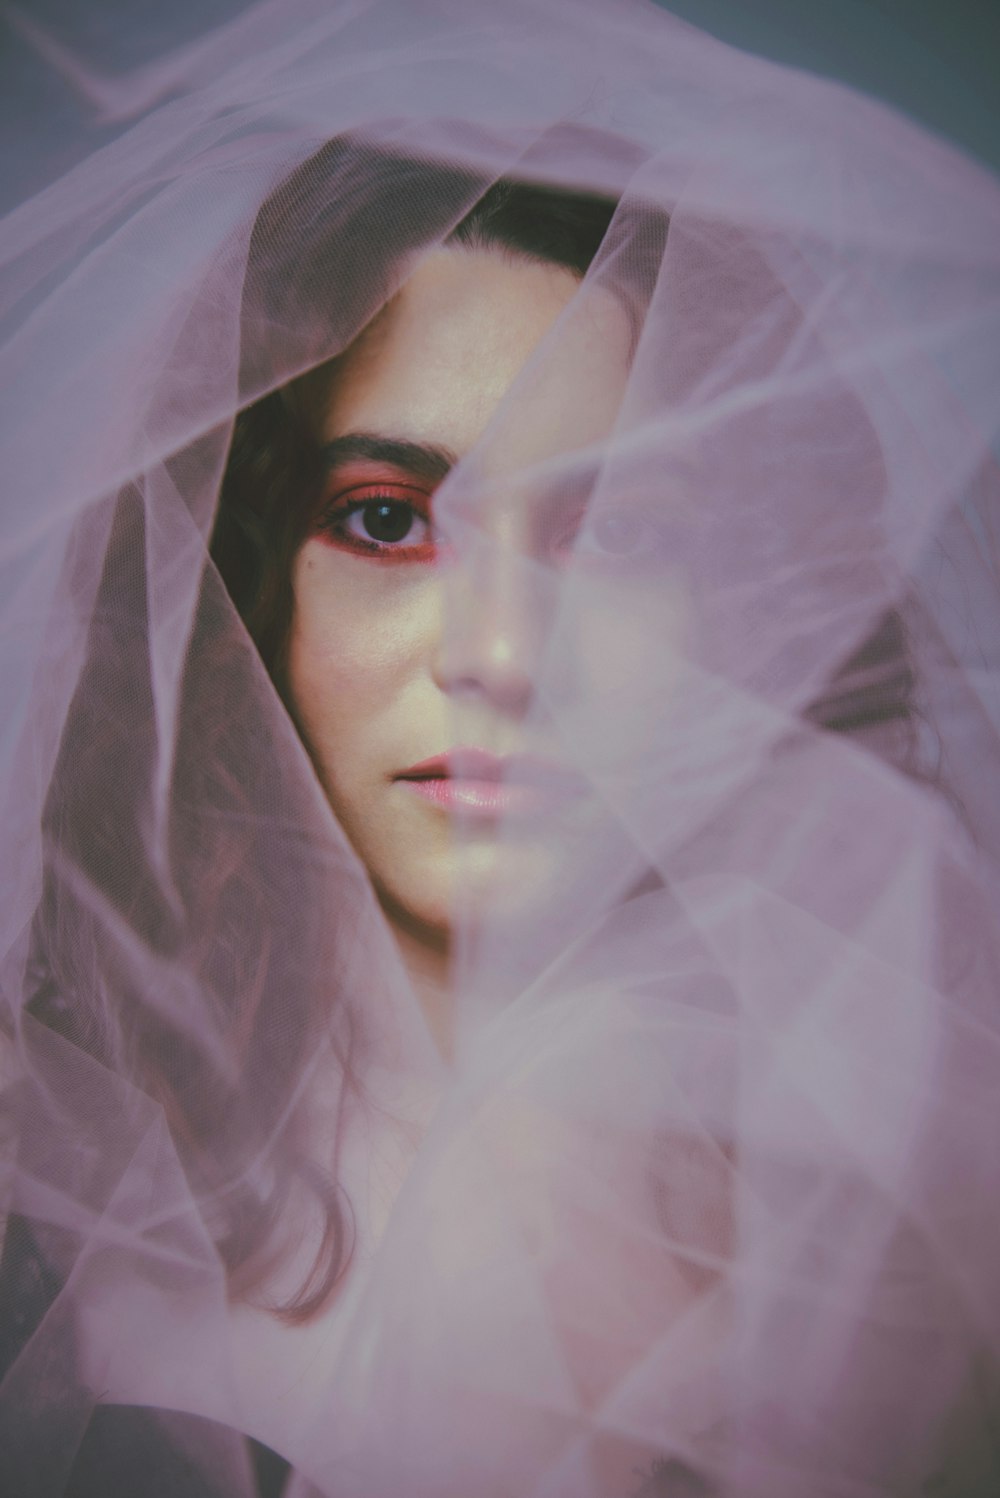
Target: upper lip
<point>480,764</point>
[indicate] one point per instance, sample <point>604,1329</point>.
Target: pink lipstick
<point>476,783</point>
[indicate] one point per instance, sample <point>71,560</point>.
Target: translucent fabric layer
<point>687,1181</point>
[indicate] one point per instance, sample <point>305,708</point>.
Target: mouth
<point>475,783</point>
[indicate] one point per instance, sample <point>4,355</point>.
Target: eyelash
<point>334,521</point>
<point>626,535</point>
<point>577,538</point>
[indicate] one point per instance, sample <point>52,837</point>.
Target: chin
<point>494,884</point>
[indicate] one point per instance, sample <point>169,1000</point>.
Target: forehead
<point>441,362</point>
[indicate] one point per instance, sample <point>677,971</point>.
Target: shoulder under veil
<point>705,1200</point>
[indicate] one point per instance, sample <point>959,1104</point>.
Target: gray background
<point>939,60</point>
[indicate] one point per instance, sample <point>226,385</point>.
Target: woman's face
<point>431,594</point>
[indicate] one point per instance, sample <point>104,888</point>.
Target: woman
<point>538,1047</point>
<point>383,426</point>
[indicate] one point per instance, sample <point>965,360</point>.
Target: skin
<point>493,367</point>
<point>508,373</point>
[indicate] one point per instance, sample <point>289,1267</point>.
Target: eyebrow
<point>432,463</point>
<point>421,458</point>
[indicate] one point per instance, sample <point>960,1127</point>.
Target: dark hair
<point>872,695</point>
<point>246,951</point>
<point>252,954</point>
<point>272,470</point>
<point>243,950</point>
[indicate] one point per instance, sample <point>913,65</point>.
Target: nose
<point>493,624</point>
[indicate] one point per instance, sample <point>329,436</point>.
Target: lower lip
<point>489,799</point>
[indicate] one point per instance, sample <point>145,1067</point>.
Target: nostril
<point>484,659</point>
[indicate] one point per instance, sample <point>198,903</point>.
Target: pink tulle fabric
<point>706,1199</point>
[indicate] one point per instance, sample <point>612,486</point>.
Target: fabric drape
<point>705,1199</point>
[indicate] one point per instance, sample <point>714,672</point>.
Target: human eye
<point>387,523</point>
<point>626,532</point>
<point>620,533</point>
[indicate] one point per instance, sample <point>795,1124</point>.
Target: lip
<point>474,782</point>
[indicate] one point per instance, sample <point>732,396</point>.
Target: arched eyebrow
<point>423,459</point>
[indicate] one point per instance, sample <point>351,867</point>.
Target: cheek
<point>360,632</point>
<point>631,636</point>
<point>622,648</point>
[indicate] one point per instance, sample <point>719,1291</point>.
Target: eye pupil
<point>621,535</point>
<point>387,522</point>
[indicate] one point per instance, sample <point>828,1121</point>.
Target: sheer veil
<point>704,1199</point>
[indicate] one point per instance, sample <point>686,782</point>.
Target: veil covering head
<point>700,1193</point>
